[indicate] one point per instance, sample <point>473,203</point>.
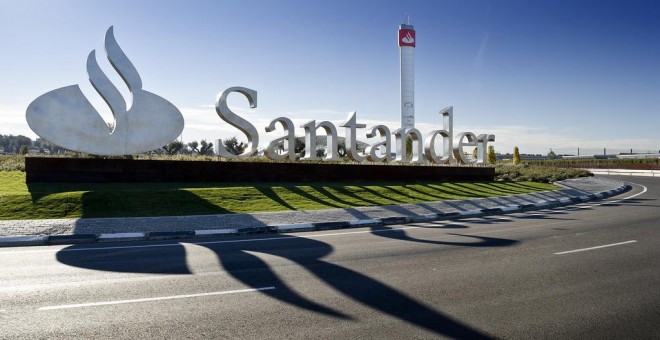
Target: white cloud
<point>203,123</point>
<point>12,122</point>
<point>478,64</point>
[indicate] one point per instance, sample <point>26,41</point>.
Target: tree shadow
<point>360,215</point>
<point>430,208</point>
<point>443,225</point>
<point>427,194</point>
<point>455,205</point>
<point>452,193</point>
<point>398,209</point>
<point>409,195</point>
<point>378,194</point>
<point>521,186</point>
<point>487,220</point>
<point>504,190</point>
<point>365,201</point>
<point>543,216</point>
<point>638,202</point>
<point>102,200</point>
<point>482,241</point>
<point>237,259</point>
<point>323,191</point>
<point>140,204</point>
<point>478,191</point>
<point>270,193</point>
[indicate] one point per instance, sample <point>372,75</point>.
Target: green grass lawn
<point>37,201</point>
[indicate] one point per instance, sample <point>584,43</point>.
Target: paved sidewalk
<point>53,231</point>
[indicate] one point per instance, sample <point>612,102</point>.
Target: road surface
<point>585,271</point>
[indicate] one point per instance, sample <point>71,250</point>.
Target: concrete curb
<point>8,241</point>
<point>19,241</point>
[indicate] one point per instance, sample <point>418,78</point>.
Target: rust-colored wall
<point>84,170</point>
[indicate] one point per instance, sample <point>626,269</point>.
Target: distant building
<point>407,42</point>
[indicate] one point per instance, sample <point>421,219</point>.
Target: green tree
<point>551,155</point>
<point>205,148</point>
<point>173,147</point>
<point>516,156</point>
<point>23,150</point>
<point>475,153</point>
<point>233,146</point>
<point>409,148</point>
<point>492,158</point>
<point>12,144</point>
<point>194,146</point>
<point>300,146</point>
<point>341,147</point>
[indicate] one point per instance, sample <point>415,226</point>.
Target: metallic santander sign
<point>65,117</point>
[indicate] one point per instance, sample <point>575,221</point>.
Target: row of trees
<point>235,147</point>
<point>21,145</point>
<point>13,144</point>
<point>202,148</point>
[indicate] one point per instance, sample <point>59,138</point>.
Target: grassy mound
<point>36,201</point>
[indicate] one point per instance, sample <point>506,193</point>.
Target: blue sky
<point>537,74</point>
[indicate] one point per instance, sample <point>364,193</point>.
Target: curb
<point>40,240</point>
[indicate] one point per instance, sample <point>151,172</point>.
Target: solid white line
<point>161,298</point>
<point>597,247</point>
<point>215,231</point>
<point>121,235</point>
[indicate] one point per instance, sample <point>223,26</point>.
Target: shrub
<point>537,173</point>
<point>516,156</point>
<point>12,163</point>
<point>492,158</point>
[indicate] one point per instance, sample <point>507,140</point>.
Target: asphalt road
<point>585,271</point>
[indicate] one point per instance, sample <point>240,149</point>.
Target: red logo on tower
<point>407,37</point>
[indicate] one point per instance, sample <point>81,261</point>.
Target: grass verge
<point>39,201</point>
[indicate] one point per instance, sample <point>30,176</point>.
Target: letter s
<point>233,119</point>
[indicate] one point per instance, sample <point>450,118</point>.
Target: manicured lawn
<point>37,201</point>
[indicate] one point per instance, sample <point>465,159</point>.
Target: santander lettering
<point>384,141</point>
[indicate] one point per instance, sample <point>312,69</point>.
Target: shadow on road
<point>237,259</point>
<point>482,241</point>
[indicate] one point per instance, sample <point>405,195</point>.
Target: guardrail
<point>625,172</point>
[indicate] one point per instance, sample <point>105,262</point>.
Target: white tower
<point>407,73</point>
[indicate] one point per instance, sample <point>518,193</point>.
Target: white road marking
<point>597,247</point>
<point>160,298</point>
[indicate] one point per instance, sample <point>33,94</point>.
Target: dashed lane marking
<point>160,298</point>
<point>597,247</point>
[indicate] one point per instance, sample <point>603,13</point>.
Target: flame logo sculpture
<point>408,39</point>
<point>65,117</point>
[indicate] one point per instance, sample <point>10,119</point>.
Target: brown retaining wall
<point>88,170</point>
